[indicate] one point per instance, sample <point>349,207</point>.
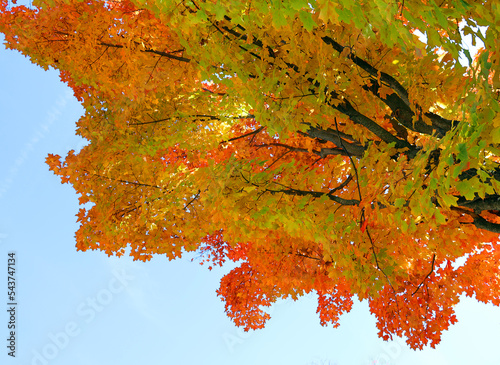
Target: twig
<point>362,221</point>
<point>243,136</point>
<point>429,274</point>
<point>192,200</point>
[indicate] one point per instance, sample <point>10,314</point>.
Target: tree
<point>322,145</point>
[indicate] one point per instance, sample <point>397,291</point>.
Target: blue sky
<point>88,309</point>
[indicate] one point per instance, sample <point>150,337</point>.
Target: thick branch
<point>403,113</point>
<point>385,78</point>
<point>470,173</point>
<point>354,149</point>
<point>400,100</point>
<point>321,153</point>
<point>482,223</point>
<point>316,194</point>
<point>479,204</point>
<point>346,108</point>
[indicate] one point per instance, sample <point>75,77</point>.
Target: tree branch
<point>160,53</point>
<point>244,135</point>
<point>199,116</point>
<point>479,204</point>
<point>482,223</point>
<point>398,101</point>
<point>344,106</point>
<point>389,80</point>
<point>316,194</point>
<point>354,149</point>
<point>324,152</point>
<point>429,274</point>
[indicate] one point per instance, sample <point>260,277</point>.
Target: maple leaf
<point>54,162</point>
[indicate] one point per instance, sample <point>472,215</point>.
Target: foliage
<point>321,145</point>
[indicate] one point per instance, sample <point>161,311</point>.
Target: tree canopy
<point>335,147</point>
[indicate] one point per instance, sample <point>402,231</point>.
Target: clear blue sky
<point>88,309</point>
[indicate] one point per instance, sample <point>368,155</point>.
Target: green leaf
<point>307,20</point>
<point>465,190</point>
<point>440,17</point>
<point>298,4</point>
<point>201,16</point>
<point>439,217</point>
<point>404,226</point>
<point>344,15</point>
<point>279,20</point>
<point>433,183</point>
<point>462,152</point>
<point>449,200</point>
<point>219,11</point>
<point>399,202</point>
